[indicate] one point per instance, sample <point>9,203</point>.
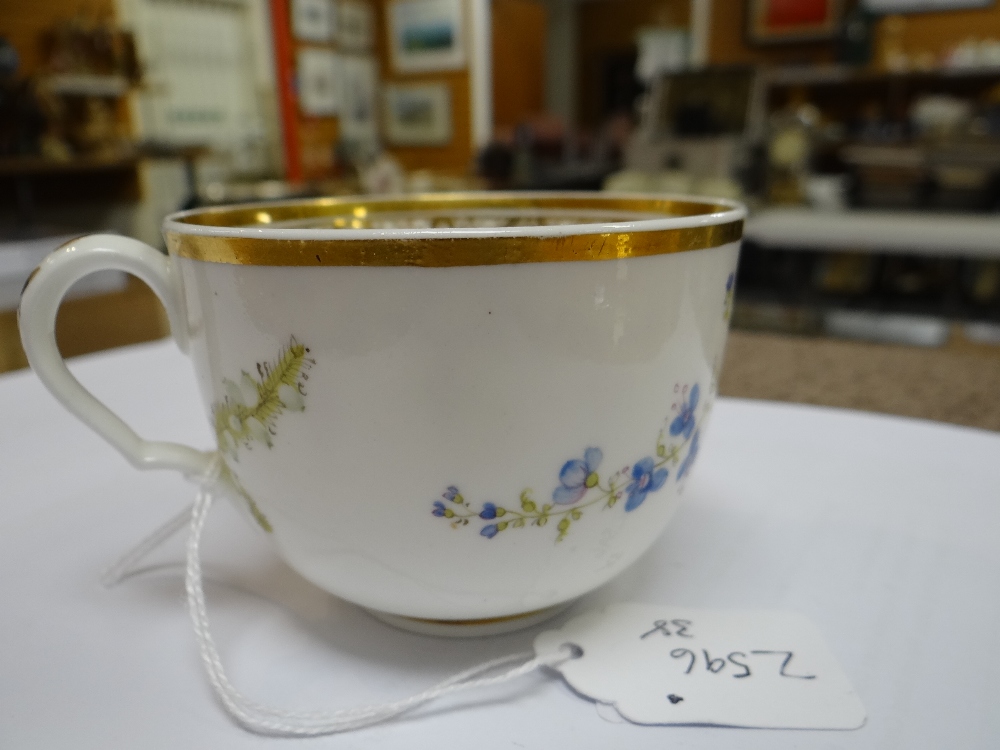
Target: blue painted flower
<point>683,423</point>
<point>489,531</point>
<point>644,480</point>
<point>489,511</point>
<point>438,508</point>
<point>452,494</point>
<point>576,477</point>
<point>689,458</point>
<point>730,281</point>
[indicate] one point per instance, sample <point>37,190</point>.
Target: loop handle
<point>40,302</point>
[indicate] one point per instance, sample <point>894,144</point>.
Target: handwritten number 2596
<point>717,664</point>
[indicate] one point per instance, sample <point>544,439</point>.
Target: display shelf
<point>937,234</point>
<point>832,75</point>
<point>87,84</point>
<point>27,166</point>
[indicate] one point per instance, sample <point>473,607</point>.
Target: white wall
<point>481,71</point>
<point>560,59</point>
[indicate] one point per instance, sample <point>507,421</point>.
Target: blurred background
<point>864,135</point>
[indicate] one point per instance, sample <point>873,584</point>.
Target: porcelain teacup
<point>457,411</point>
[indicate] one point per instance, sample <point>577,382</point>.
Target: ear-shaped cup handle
<point>40,302</point>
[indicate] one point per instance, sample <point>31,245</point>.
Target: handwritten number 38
<point>663,627</point>
<point>717,664</point>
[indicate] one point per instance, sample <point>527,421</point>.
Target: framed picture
<point>418,114</point>
<point>359,99</point>
<point>777,21</point>
<point>319,76</point>
<point>313,20</point>
<point>355,25</point>
<point>426,35</point>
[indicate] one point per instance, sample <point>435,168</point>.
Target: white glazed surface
<point>486,378</point>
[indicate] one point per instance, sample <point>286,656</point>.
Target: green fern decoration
<point>251,407</point>
<point>258,515</point>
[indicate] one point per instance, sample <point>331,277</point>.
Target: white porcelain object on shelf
<point>461,409</point>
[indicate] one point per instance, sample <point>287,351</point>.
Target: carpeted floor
<point>957,383</point>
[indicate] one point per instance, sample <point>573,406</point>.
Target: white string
<point>126,564</point>
<point>274,721</point>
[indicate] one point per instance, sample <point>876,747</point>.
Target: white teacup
<point>453,410</point>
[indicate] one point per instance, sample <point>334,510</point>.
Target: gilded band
<point>441,252</point>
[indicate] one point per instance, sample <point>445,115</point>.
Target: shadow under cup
<point>459,411</point>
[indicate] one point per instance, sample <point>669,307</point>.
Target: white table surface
<point>931,233</point>
<point>881,530</point>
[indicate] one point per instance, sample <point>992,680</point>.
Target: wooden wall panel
<point>938,32</point>
<point>519,39</point>
<point>317,140</point>
<point>728,43</point>
<point>456,158</point>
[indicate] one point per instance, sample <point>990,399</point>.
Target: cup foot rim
<point>473,628</point>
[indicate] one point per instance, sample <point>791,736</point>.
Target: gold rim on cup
<point>458,229</point>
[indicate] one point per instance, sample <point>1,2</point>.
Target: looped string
<point>274,721</point>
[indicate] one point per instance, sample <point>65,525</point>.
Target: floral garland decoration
<point>580,485</point>
<point>727,308</point>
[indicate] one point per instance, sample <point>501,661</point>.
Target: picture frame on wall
<point>359,99</point>
<point>355,25</point>
<point>786,21</point>
<point>417,114</point>
<point>319,78</point>
<point>314,20</point>
<point>426,35</point>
